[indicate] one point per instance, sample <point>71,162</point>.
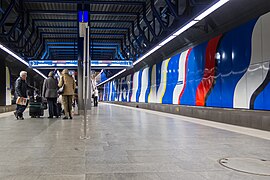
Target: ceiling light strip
<point>19,59</point>
<point>211,9</point>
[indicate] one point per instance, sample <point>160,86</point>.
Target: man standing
<point>50,87</point>
<point>21,87</point>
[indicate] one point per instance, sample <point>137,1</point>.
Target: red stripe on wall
<point>209,71</point>
<point>185,83</point>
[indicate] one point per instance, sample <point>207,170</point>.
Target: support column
<point>80,65</point>
<point>80,75</point>
<point>2,83</point>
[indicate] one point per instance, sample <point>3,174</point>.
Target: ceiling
<point>127,28</point>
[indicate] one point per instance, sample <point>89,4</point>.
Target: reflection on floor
<point>125,144</point>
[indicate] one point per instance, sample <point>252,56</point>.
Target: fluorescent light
<point>13,54</point>
<point>211,9</point>
<point>147,54</point>
<point>40,73</point>
<point>120,72</point>
<point>19,58</point>
<point>167,40</point>
<point>186,27</point>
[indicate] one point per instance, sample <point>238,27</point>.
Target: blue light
<point>83,16</point>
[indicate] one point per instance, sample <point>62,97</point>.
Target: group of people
<point>51,91</point>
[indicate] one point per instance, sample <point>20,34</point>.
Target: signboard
<point>73,64</point>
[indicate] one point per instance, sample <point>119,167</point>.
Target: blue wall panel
<point>139,86</point>
<point>172,79</point>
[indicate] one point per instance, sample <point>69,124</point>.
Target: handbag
<point>61,90</point>
<point>45,105</point>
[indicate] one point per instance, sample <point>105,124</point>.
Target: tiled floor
<point>125,144</point>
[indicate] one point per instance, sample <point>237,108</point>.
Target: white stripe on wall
<point>152,98</point>
<point>163,81</point>
<point>181,77</point>
<point>255,74</point>
<point>144,84</point>
<point>135,86</point>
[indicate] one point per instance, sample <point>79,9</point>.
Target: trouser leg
<point>65,103</point>
<point>50,106</point>
<point>55,108</point>
<point>70,105</point>
<point>95,101</point>
<point>20,109</point>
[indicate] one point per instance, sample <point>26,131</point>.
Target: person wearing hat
<point>50,88</point>
<point>69,84</point>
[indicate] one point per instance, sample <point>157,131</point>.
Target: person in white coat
<point>96,97</point>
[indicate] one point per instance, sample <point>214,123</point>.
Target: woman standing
<point>69,84</point>
<point>50,93</point>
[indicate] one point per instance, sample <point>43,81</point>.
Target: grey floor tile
<point>134,167</point>
<point>228,174</point>
<point>98,168</point>
<point>100,176</point>
<point>61,177</point>
<point>20,169</point>
<point>18,177</point>
<point>136,176</point>
<point>180,176</point>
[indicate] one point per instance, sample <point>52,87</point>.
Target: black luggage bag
<point>36,107</point>
<point>59,109</point>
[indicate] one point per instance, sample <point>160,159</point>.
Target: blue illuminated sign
<point>74,63</point>
<point>83,16</point>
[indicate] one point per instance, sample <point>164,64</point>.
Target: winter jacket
<point>69,82</point>
<point>50,88</point>
<point>21,87</point>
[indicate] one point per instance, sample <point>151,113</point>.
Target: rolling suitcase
<point>36,107</point>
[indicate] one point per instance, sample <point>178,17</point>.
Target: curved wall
<point>228,71</point>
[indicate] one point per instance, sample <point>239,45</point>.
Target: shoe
<point>56,116</point>
<point>50,117</point>
<point>21,118</point>
<point>15,114</point>
<point>70,117</point>
<point>65,117</point>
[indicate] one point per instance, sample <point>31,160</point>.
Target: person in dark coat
<point>50,88</point>
<point>21,87</point>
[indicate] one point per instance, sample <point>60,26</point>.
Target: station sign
<point>48,64</point>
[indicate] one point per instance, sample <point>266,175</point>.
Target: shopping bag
<point>21,101</point>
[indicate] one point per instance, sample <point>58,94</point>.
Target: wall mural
<point>229,71</point>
